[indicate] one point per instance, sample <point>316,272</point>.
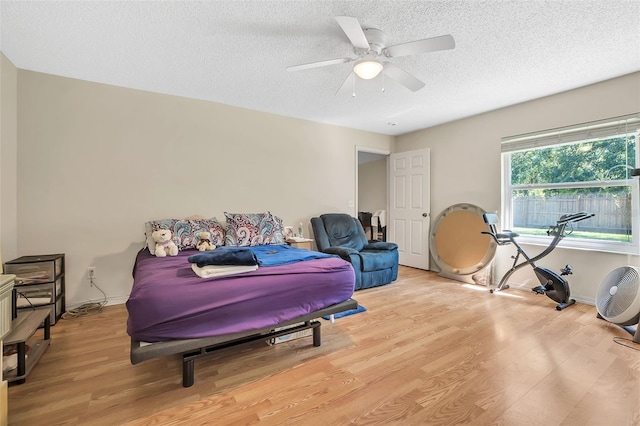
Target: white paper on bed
<point>212,271</point>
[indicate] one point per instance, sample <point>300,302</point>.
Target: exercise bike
<point>552,285</point>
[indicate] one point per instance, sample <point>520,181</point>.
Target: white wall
<point>372,186</point>
<point>8,163</point>
<point>465,165</point>
<point>96,161</point>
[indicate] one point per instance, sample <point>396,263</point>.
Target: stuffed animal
<point>205,241</point>
<point>164,244</point>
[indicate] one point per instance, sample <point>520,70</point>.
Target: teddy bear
<point>204,242</point>
<point>164,244</point>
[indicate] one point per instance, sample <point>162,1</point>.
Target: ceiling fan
<point>372,54</point>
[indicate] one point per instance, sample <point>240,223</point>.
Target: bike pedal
<point>540,289</point>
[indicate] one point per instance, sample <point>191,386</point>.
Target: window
<point>579,168</point>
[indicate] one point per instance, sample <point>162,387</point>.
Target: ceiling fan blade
<point>433,44</point>
<point>402,77</point>
<point>348,83</point>
<point>353,30</point>
<point>318,64</point>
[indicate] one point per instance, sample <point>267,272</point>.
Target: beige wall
<point>86,164</point>
<point>465,165</point>
<point>372,186</point>
<point>8,164</point>
<point>96,161</point>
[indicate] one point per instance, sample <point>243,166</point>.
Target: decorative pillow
<point>185,231</point>
<point>154,225</point>
<point>253,229</point>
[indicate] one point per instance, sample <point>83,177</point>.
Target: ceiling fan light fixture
<point>367,69</point>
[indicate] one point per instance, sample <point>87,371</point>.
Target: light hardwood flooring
<point>428,351</point>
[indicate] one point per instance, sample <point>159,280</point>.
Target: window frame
<point>548,139</point>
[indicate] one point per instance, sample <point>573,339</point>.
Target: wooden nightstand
<point>303,243</point>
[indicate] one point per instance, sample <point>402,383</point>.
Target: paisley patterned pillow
<point>253,229</point>
<point>185,231</point>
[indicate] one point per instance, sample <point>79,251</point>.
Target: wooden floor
<point>428,351</point>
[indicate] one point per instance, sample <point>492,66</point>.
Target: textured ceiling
<point>236,52</point>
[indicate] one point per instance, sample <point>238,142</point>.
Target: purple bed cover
<point>169,301</point>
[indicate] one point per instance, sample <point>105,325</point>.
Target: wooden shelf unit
<point>23,329</point>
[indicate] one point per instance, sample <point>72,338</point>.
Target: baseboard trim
<point>117,300</point>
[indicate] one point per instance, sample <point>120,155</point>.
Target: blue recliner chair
<point>375,262</point>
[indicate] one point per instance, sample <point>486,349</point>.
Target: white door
<point>410,212</point>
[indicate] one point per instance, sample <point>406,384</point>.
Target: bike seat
<point>507,235</point>
<point>502,238</point>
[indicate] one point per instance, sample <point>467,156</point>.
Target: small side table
<point>22,329</point>
<point>303,243</point>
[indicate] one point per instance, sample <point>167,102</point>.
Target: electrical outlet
<point>91,272</point>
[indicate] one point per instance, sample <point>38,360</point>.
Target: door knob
<point>425,214</point>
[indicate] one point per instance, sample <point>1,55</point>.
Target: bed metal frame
<point>190,349</point>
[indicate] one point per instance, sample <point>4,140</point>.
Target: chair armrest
<point>380,245</point>
<point>343,252</point>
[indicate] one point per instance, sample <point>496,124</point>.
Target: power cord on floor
<point>87,309</point>
<point>620,340</point>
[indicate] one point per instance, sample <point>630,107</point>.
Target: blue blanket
<point>265,255</point>
<point>224,256</point>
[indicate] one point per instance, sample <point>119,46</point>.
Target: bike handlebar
<point>574,217</point>
<point>565,219</point>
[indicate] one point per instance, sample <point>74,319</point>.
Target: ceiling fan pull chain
<point>384,81</point>
<point>353,81</point>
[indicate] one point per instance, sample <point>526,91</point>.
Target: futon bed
<point>172,310</point>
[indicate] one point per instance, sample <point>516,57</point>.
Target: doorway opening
<point>372,191</point>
